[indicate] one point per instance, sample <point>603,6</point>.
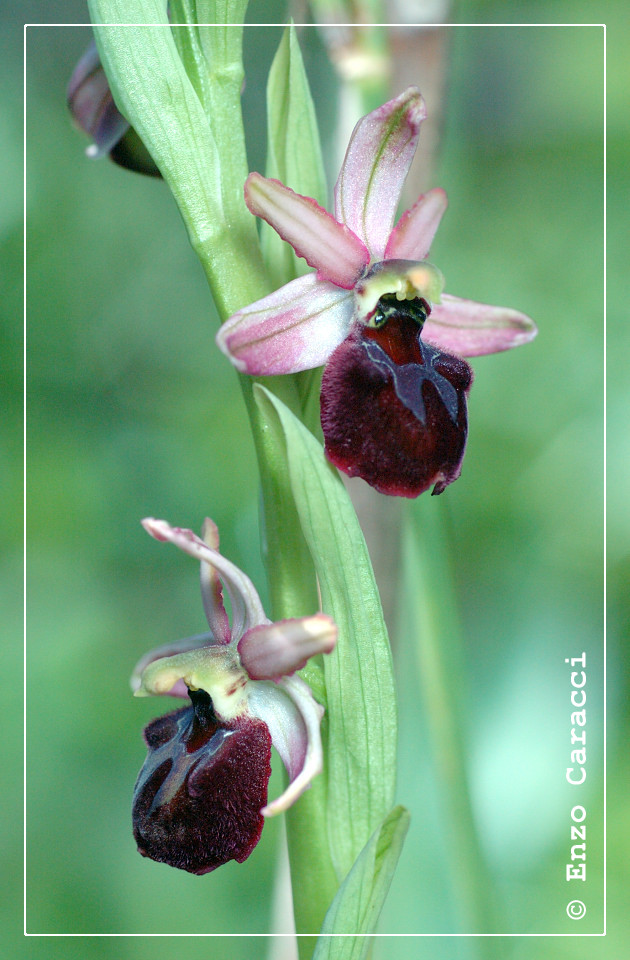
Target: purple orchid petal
<point>413,235</point>
<point>293,717</point>
<point>211,592</point>
<point>170,650</point>
<point>378,157</point>
<point>247,609</point>
<point>295,328</point>
<point>470,329</point>
<point>333,249</point>
<point>279,649</point>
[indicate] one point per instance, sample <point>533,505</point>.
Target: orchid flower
<point>393,400</point>
<point>201,796</point>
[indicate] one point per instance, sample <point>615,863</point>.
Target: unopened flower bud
<point>93,109</point>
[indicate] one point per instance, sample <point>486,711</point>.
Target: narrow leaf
<point>361,711</point>
<point>359,900</point>
<point>294,154</point>
<point>430,621</point>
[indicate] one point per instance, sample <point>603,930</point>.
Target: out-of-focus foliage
<point>133,411</point>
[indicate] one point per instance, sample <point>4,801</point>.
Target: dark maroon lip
<point>393,408</point>
<point>198,797</point>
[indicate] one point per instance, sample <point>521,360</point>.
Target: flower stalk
<point>204,164</point>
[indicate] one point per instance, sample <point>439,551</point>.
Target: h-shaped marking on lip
<point>409,377</point>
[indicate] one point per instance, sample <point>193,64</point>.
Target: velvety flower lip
<point>366,265</point>
<point>311,335</point>
<point>397,386</point>
<point>201,796</point>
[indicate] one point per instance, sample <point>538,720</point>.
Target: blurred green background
<point>132,411</point>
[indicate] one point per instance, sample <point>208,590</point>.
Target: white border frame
<point>604,713</point>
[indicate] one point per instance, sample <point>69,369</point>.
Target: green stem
<point>293,592</point>
<point>313,877</point>
<point>292,584</point>
<point>434,623</point>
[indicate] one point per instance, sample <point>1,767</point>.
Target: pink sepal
<point>295,328</point>
<point>470,329</point>
<point>412,236</point>
<point>92,105</point>
<point>247,609</point>
<point>293,717</point>
<point>334,250</point>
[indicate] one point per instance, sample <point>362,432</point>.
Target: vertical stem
<point>292,584</point>
<point>293,592</point>
<point>434,624</point>
<point>313,877</point>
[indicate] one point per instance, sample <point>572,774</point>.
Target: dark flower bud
<point>93,109</point>
<point>198,798</point>
<point>393,408</point>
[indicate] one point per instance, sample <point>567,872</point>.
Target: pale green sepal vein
<point>361,710</point>
<point>360,898</point>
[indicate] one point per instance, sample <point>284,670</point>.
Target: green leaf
<point>294,153</point>
<point>202,161</point>
<point>360,898</point>
<point>152,90</point>
<point>432,632</point>
<point>361,708</point>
